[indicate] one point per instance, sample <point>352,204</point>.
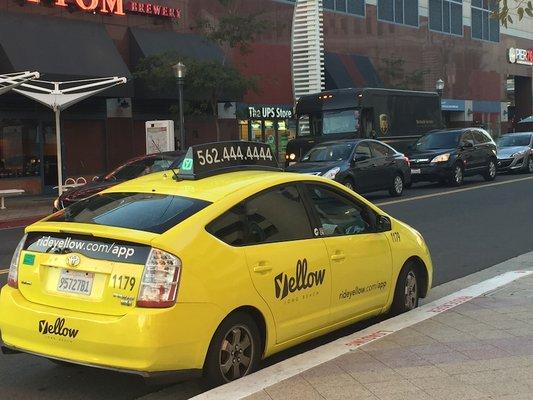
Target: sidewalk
<point>482,349</point>
<point>23,210</point>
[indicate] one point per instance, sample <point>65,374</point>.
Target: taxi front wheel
<point>407,293</point>
<point>235,350</point>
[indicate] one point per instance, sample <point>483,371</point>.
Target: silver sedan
<point>515,152</point>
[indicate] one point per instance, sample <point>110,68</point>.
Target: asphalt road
<point>467,229</point>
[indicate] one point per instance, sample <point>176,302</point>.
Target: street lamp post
<point>439,87</point>
<point>179,72</point>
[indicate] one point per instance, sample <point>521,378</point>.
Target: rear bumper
<point>146,342</point>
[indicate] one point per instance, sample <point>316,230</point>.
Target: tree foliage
<point>395,77</point>
<point>505,8</point>
<point>208,81</point>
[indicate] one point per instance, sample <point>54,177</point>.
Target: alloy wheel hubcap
<point>458,174</point>
<point>398,184</point>
<point>411,289</point>
<point>492,169</point>
<point>236,353</point>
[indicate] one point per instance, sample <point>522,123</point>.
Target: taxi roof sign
<point>217,158</point>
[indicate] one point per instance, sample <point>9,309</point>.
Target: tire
<point>457,177</point>
<point>397,185</point>
<point>349,184</point>
<point>407,291</point>
<point>529,168</point>
<point>490,173</point>
<point>236,344</point>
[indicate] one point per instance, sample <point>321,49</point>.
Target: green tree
<point>208,82</point>
<point>395,77</point>
<point>506,8</point>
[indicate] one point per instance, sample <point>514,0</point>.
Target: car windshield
<point>346,121</point>
<point>438,140</point>
<point>140,211</point>
<point>514,140</point>
<point>140,167</point>
<point>329,152</point>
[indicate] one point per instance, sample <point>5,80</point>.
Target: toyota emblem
<point>73,260</point>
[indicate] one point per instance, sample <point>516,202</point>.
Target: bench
<point>8,193</point>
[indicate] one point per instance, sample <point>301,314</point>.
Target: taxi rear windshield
<point>148,212</point>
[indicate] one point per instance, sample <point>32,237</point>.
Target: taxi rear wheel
<point>407,292</point>
<point>235,350</point>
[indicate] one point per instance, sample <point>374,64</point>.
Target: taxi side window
<point>339,215</point>
<point>259,220</point>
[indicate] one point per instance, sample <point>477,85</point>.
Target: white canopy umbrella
<point>59,96</point>
<point>11,81</point>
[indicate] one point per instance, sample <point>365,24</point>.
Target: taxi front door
<point>289,267</point>
<point>360,259</point>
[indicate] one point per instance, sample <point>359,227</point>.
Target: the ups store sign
<point>117,7</point>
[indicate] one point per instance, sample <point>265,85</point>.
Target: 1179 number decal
<point>124,282</point>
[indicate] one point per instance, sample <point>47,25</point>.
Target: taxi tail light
<point>12,277</point>
<point>159,284</point>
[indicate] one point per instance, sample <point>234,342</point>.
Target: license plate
<point>75,282</point>
<point>415,171</point>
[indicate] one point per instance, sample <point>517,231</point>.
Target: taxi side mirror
<point>383,224</point>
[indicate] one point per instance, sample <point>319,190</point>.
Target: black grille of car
<point>418,162</point>
<point>503,163</point>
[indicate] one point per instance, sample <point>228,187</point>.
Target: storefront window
<point>243,129</point>
<point>19,149</point>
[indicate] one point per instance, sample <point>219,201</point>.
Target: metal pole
<point>58,147</point>
<point>182,119</point>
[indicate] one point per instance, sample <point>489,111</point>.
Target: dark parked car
<point>130,169</point>
<point>363,165</point>
<point>515,152</point>
<point>448,156</point>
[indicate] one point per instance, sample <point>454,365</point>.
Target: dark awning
<point>60,49</point>
<point>149,42</point>
<point>350,70</point>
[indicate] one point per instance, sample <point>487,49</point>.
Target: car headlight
<point>442,158</point>
<point>519,153</point>
<point>332,173</point>
<point>291,156</point>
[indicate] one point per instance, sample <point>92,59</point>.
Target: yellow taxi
<point>207,270</point>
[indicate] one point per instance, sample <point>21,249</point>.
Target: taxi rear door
<point>289,267</point>
<point>361,259</point>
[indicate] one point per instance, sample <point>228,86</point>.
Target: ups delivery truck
<point>397,117</point>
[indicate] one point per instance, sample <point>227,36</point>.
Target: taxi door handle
<point>338,256</point>
<point>262,267</point>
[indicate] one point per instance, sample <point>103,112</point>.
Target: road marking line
<point>428,196</point>
<point>290,367</point>
<point>4,271</point>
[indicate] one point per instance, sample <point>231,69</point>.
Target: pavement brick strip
<point>474,344</point>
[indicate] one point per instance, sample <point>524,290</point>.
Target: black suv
<point>448,156</point>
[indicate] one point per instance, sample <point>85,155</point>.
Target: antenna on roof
<point>170,166</point>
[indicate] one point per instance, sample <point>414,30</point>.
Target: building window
<point>399,11</point>
<point>446,16</point>
<point>485,27</point>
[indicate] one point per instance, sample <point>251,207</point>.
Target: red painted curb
<point>20,223</point>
